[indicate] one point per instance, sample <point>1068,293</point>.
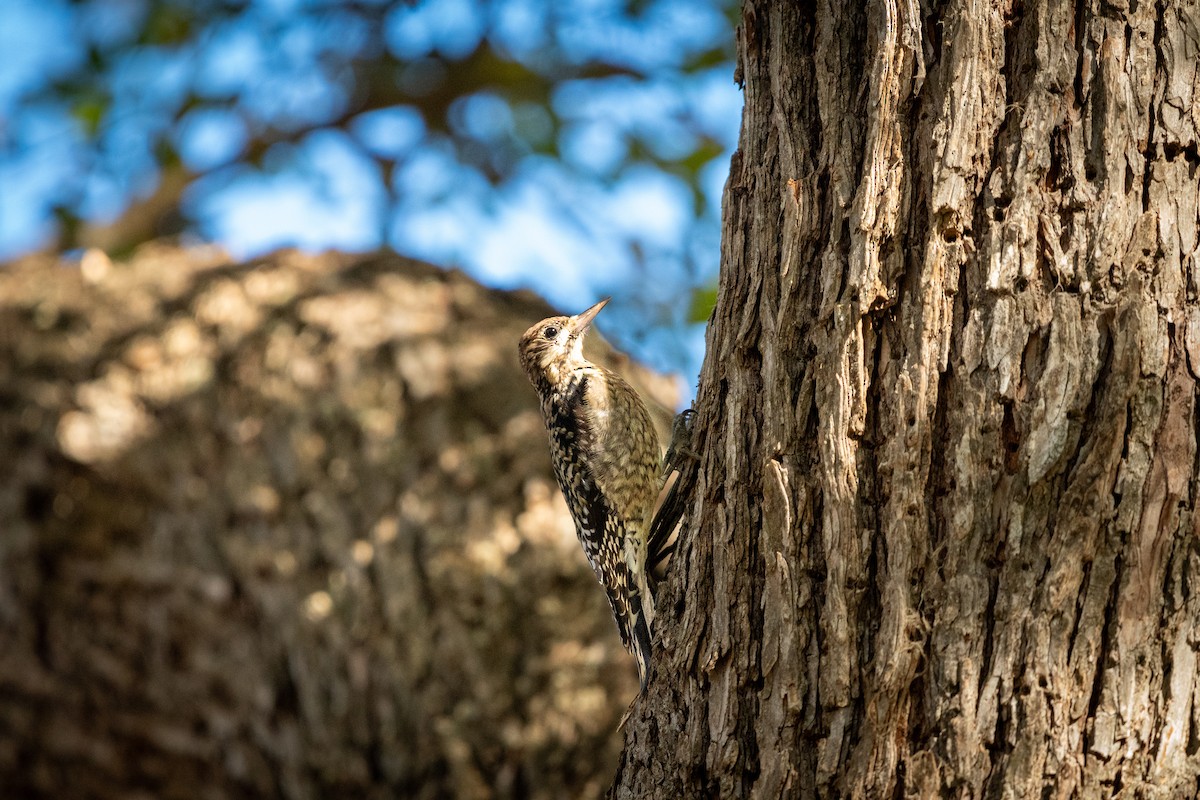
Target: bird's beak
<point>581,322</point>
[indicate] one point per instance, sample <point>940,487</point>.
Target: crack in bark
<point>1150,152</point>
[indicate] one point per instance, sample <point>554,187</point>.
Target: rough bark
<point>943,540</point>
<point>287,529</point>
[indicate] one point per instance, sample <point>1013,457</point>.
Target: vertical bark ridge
<point>961,241</point>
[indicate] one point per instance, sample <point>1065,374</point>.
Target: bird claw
<point>681,439</point>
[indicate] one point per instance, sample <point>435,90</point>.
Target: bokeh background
<point>281,523</point>
<point>575,147</point>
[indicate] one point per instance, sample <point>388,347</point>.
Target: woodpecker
<point>606,458</point>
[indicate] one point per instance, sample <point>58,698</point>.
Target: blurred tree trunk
<point>287,529</point>
<point>944,540</point>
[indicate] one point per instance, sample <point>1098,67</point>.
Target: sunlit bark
<point>943,541</point>
<point>287,529</point>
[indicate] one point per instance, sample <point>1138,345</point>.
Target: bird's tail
<point>679,477</point>
<point>640,642</point>
<point>664,530</point>
<point>640,647</point>
<point>629,611</point>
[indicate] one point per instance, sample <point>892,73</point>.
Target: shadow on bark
<point>287,529</point>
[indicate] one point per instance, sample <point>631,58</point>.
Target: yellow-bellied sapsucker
<point>606,457</point>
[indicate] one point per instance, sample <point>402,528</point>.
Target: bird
<point>605,453</point>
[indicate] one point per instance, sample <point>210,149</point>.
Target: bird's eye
<point>550,332</point>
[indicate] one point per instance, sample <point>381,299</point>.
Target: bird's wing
<point>625,465</point>
<point>626,446</point>
<point>573,431</point>
<point>602,534</point>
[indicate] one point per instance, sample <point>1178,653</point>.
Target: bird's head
<point>554,346</point>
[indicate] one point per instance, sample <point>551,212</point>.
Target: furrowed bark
<point>943,539</point>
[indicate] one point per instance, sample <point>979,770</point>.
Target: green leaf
<point>704,300</point>
<point>90,111</point>
<point>167,25</point>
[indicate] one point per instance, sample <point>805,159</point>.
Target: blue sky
<point>592,222</point>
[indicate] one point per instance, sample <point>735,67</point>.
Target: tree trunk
<point>943,539</point>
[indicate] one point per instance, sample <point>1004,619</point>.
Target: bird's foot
<point>681,440</point>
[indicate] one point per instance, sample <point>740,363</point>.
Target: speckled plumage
<point>606,458</point>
